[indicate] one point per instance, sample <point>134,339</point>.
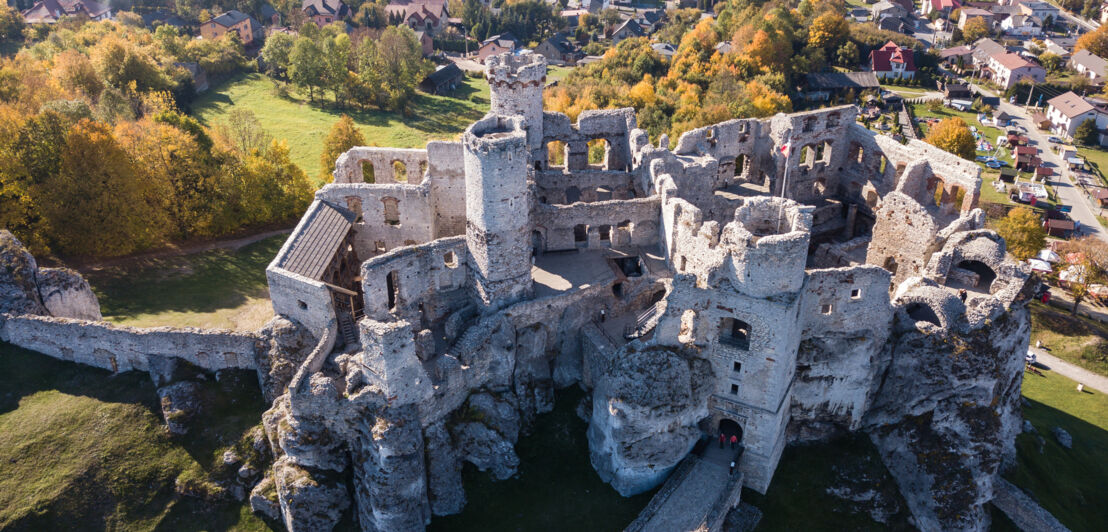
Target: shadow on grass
<point>1067,482</point>
<point>128,482</point>
<point>202,282</point>
<point>556,488</point>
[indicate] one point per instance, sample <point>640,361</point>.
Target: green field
<point>1069,483</point>
<point>82,449</point>
<point>221,288</point>
<point>304,125</point>
<point>1079,341</point>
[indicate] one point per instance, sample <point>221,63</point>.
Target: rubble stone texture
<point>728,284</point>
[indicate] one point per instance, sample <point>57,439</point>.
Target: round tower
<point>770,238</point>
<point>515,84</point>
<point>497,209</point>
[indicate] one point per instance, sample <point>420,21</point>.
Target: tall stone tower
<point>516,83</point>
<point>497,209</point>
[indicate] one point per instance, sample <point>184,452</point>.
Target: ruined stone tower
<point>497,209</point>
<point>516,83</point>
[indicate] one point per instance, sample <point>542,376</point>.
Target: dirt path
<point>1065,369</point>
<point>188,249</point>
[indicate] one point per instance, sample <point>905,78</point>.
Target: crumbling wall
<point>626,222</point>
<point>614,126</point>
<point>556,187</point>
<point>118,348</point>
<point>904,237</point>
<point>350,165</point>
<point>390,216</point>
<point>421,274</point>
<point>448,187</point>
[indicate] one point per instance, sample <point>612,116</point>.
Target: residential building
<point>573,16</point>
<point>651,20</point>
<point>859,14</point>
<point>269,15</point>
<point>420,15</point>
<point>1009,69</point>
<point>896,24</point>
<point>892,61</point>
<point>823,85</point>
<point>1038,9</point>
<point>248,28</point>
<point>426,43</point>
<point>1022,26</point>
<point>1068,111</point>
<point>944,7</point>
<point>723,47</point>
<point>950,55</point>
<point>887,8</point>
<point>324,12</point>
<point>664,49</point>
<point>444,79</point>
<point>49,11</point>
<point>1089,65</point>
<point>497,44</point>
<point>968,13</point>
<point>627,30</point>
<point>558,50</point>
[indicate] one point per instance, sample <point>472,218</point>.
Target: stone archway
<point>731,427</point>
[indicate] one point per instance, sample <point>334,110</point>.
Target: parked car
<point>1054,140</point>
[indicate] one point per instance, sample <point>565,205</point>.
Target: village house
<point>497,44</point>
<point>1008,69</point>
<point>1022,26</point>
<point>892,61</point>
<point>887,8</point>
<point>1039,10</point>
<point>664,49</point>
<point>49,11</point>
<point>951,55</point>
<point>426,43</point>
<point>824,85</point>
<point>420,15</point>
<point>1068,111</point>
<point>324,12</point>
<point>558,50</point>
<point>248,28</point>
<point>628,29</point>
<point>968,13</point>
<point>269,15</point>
<point>943,7</point>
<point>1089,65</point>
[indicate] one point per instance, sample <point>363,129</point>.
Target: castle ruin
<point>785,279</point>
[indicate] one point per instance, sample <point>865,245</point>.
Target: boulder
<point>66,294</point>
<point>485,448</point>
<point>180,402</point>
<point>263,499</point>
<point>18,287</point>
<point>310,499</point>
<point>1064,439</point>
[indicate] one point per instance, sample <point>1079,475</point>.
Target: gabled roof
<point>561,44</point>
<point>267,11</point>
<point>230,18</point>
<point>49,11</point>
<point>1012,61</point>
<point>444,73</point>
<point>842,80</point>
<point>315,246</point>
<point>723,47</point>
<point>955,51</point>
<point>630,26</point>
<point>945,4</point>
<point>1090,61</point>
<point>664,49</point>
<point>504,40</point>
<point>324,7</point>
<point>1070,104</point>
<point>970,12</point>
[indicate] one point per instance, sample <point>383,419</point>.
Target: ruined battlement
<point>516,70</point>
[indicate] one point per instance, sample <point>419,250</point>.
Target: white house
<point>1068,111</point>
<point>1008,69</point>
<point>1089,65</point>
<point>1022,25</point>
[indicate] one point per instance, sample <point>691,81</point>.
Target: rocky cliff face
<point>947,413</point>
<point>645,412</point>
<point>27,289</point>
<point>66,294</point>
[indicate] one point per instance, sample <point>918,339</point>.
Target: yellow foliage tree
<point>343,136</point>
<point>1096,42</point>
<point>975,29</point>
<point>954,136</point>
<point>828,31</point>
<point>1023,232</point>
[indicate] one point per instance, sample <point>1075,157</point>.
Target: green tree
<point>847,55</point>
<point>307,65</point>
<point>398,65</point>
<point>11,23</point>
<point>1086,133</point>
<point>343,136</point>
<point>1088,266</point>
<point>954,136</point>
<point>1051,61</point>
<point>276,53</point>
<point>1023,232</point>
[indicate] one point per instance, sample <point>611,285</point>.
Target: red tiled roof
<point>944,4</point>
<point>882,58</point>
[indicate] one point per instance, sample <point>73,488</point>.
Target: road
<point>1070,371</point>
<point>1068,192</point>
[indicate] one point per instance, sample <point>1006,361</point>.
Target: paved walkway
<point>1023,510</point>
<point>1065,369</point>
<point>184,249</point>
<point>690,504</point>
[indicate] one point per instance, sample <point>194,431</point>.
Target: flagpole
<point>785,180</point>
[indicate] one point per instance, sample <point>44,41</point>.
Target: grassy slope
<point>81,449</point>
<point>215,289</point>
<point>1074,339</point>
<point>1068,482</point>
<point>305,125</point>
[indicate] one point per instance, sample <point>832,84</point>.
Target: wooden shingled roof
<point>317,244</point>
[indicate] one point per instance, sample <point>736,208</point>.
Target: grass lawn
<point>556,488</point>
<point>82,449</point>
<point>212,289</point>
<point>1077,340</point>
<point>906,92</point>
<point>1070,483</point>
<point>1096,158</point>
<point>557,73</point>
<point>921,112</point>
<point>304,125</point>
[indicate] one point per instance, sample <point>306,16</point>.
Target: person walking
<point>734,441</point>
<point>732,471</point>
<point>962,295</point>
<point>722,438</point>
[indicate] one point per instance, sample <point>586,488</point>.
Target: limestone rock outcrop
<point>66,294</point>
<point>645,414</point>
<point>180,403</point>
<point>311,499</point>
<point>285,345</point>
<point>444,472</point>
<point>18,287</point>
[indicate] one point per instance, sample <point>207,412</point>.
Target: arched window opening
<point>399,172</point>
<point>581,235</point>
<point>598,151</point>
<point>922,312</point>
<point>392,286</point>
<point>605,233</point>
<point>983,276</point>
<point>367,173</point>
<point>450,260</point>
<point>392,210</point>
<point>555,153</point>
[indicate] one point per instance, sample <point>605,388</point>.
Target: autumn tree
<point>343,136</point>
<point>975,29</point>
<point>828,31</point>
<point>1051,61</point>
<point>1096,42</point>
<point>100,204</point>
<point>954,136</point>
<point>1023,232</point>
